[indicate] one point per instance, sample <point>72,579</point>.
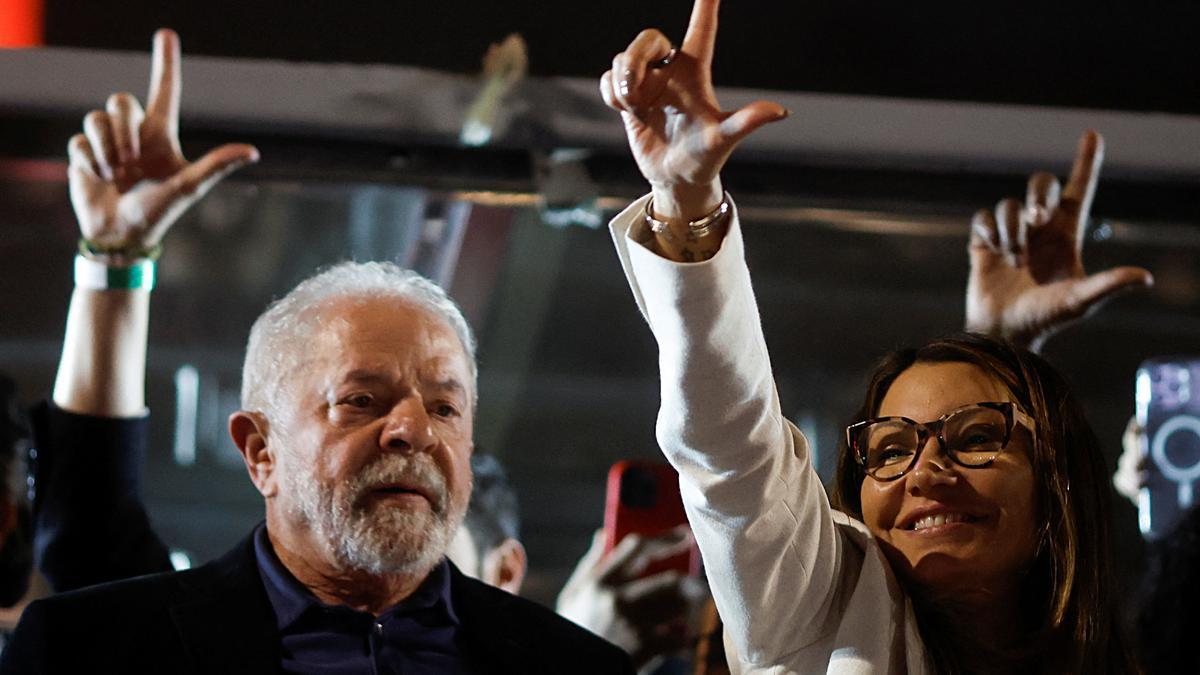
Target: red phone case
<point>643,498</point>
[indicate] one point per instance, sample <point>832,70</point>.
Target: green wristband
<point>97,276</point>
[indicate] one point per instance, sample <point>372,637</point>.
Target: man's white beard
<point>364,535</point>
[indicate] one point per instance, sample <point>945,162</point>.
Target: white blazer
<point>802,588</point>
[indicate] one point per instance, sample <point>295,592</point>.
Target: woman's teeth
<point>940,519</point>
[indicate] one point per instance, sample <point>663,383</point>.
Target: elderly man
<point>358,401</point>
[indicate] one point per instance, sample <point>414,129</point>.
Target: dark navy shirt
<point>419,636</point>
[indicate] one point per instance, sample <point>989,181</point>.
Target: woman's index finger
<point>701,38</point>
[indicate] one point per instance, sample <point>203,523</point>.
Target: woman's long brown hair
<point>1074,622</point>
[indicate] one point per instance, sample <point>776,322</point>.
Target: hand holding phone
<point>643,499</point>
<point>1168,410</point>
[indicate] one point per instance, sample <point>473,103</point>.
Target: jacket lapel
<point>488,629</point>
<point>224,618</point>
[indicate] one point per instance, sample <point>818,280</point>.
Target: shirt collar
<point>290,599</point>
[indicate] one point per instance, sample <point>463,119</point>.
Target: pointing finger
<point>1077,194</point>
<point>701,38</point>
<point>166,80</point>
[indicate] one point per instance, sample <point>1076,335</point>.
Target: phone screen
<point>1168,411</point>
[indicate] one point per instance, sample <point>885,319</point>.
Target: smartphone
<point>643,498</point>
<point>1168,410</point>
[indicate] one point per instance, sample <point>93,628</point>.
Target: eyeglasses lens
<point>973,437</point>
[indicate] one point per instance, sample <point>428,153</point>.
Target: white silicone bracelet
<point>97,276</point>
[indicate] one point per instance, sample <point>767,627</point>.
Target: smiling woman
<point>1021,539</point>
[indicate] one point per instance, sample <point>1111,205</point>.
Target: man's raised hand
<point>1027,276</point>
<point>677,130</point>
<point>129,179</point>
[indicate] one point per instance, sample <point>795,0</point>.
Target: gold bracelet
<point>696,229</point>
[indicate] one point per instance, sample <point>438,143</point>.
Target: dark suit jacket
<point>92,528</point>
<point>90,525</point>
<point>217,619</point>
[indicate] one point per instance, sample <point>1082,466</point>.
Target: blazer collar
<point>226,623</point>
<point>224,618</point>
<point>490,634</point>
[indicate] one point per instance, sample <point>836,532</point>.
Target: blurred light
<point>187,412</point>
<point>585,215</point>
<point>476,133</point>
<point>21,23</point>
<point>180,560</point>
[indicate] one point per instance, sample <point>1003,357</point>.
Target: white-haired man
<point>358,402</point>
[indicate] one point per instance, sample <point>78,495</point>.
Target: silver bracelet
<point>696,229</point>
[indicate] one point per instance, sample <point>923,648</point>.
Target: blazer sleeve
<point>90,525</point>
<point>772,551</point>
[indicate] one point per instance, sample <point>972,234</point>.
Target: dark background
<point>1116,55</point>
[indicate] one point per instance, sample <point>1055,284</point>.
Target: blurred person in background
<point>16,527</point>
<point>488,545</point>
<point>657,618</point>
<point>360,446</point>
<point>1166,608</point>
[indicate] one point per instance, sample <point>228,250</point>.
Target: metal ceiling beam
<point>395,104</point>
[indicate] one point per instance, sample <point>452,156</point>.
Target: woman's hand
<point>677,130</point>
<point>1027,278</point>
<point>129,179</point>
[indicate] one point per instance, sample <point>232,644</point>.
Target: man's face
<point>373,442</point>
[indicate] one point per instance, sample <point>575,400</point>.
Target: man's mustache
<point>397,470</point>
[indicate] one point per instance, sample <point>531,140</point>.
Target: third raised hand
<point>679,135</point>
<point>129,179</point>
<point>1027,275</point>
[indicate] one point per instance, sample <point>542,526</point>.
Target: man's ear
<point>249,433</point>
<point>504,566</point>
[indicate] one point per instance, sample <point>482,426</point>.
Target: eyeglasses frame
<point>1013,415</point>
